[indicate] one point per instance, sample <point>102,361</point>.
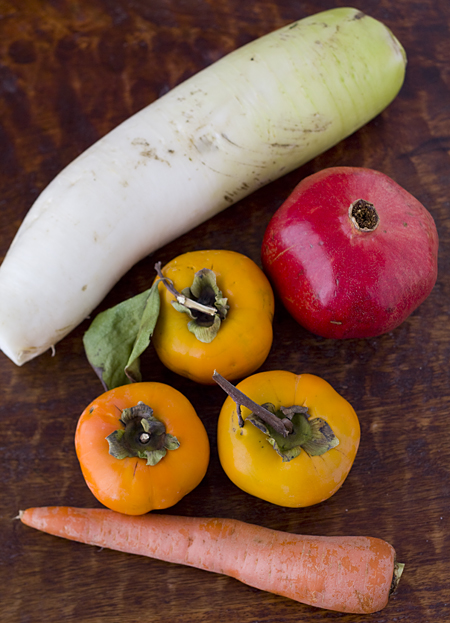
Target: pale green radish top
<point>251,117</point>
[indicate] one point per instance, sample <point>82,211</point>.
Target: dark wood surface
<point>69,72</point>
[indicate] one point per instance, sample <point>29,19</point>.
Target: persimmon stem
<point>282,427</point>
<point>184,300</point>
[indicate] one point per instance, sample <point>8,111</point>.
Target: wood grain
<point>71,71</point>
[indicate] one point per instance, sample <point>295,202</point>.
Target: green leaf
<point>145,332</point>
<point>118,336</point>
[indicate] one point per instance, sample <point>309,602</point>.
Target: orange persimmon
<point>141,447</point>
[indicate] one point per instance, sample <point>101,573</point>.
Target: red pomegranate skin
<point>338,281</point>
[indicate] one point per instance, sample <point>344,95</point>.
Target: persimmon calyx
<point>143,436</point>
<point>313,435</point>
<point>202,301</point>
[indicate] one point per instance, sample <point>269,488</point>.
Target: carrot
<point>345,574</point>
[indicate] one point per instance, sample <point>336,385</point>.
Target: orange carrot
<point>345,574</point>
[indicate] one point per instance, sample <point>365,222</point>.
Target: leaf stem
<point>184,300</point>
<point>282,427</point>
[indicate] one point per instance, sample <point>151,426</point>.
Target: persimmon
<point>236,338</point>
<point>302,453</point>
<point>141,447</point>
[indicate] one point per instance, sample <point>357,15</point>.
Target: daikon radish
<point>249,118</point>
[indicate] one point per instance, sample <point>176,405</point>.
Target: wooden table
<point>70,72</point>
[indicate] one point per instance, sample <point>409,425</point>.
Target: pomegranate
<point>351,253</point>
